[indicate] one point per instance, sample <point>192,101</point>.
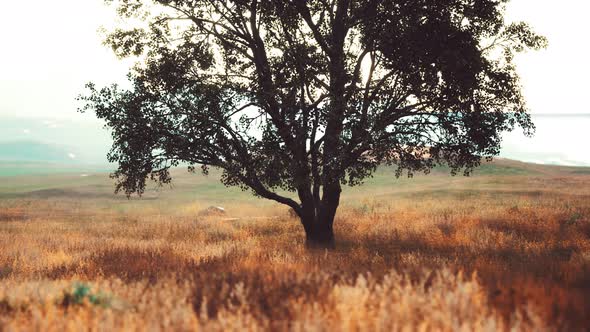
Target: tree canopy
<point>307,96</point>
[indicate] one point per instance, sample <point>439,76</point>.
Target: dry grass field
<point>508,249</point>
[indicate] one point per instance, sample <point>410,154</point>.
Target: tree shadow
<point>512,277</point>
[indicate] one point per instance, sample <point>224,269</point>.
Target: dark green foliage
<point>81,293</point>
<point>309,95</point>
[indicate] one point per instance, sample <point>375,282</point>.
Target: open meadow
<point>505,249</point>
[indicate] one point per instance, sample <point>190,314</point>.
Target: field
<point>505,249</point>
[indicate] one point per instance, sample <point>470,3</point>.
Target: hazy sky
<point>50,48</point>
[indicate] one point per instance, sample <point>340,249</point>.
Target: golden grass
<point>510,261</point>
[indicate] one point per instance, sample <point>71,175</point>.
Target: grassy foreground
<point>508,249</point>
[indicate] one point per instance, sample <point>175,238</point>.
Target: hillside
<point>31,163</point>
<point>70,182</point>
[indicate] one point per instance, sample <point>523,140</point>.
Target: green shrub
<point>82,293</point>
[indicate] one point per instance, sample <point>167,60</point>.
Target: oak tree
<point>306,96</point>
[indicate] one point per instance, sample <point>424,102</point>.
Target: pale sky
<point>50,49</point>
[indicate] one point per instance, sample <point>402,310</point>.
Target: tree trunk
<point>318,221</point>
<point>319,235</point>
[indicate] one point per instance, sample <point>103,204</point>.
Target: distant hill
<point>31,168</point>
<point>38,152</point>
<point>558,140</point>
<point>55,163</point>
<point>36,158</point>
<point>38,139</point>
<point>505,166</point>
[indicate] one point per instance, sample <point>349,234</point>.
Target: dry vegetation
<point>502,259</point>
